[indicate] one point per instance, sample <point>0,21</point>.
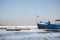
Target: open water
<point>29,35</point>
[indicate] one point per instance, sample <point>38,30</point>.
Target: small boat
<point>12,29</point>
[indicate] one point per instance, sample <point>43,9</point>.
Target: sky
<point>24,12</point>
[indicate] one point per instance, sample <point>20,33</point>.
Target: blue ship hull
<point>48,26</point>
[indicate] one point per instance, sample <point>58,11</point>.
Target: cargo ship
<point>49,25</point>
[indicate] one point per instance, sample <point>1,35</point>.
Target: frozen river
<point>29,35</point>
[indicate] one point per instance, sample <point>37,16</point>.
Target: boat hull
<point>48,26</point>
<point>13,29</point>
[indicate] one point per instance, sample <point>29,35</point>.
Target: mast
<point>37,19</point>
